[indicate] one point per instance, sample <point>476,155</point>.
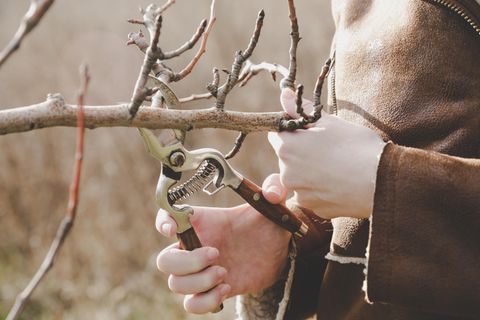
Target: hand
<point>243,253</point>
<point>331,166</point>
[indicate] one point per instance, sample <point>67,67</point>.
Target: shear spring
<point>192,185</point>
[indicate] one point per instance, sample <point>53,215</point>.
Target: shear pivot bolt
<point>177,159</point>
<point>256,197</point>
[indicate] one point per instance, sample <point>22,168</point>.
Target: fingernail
<point>275,190</point>
<point>221,272</point>
<point>166,229</point>
<point>224,290</point>
<point>212,253</point>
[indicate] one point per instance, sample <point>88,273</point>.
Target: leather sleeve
<point>424,249</point>
<point>310,265</point>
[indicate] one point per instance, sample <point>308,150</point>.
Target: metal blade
<point>170,97</point>
<point>157,147</point>
<point>171,100</point>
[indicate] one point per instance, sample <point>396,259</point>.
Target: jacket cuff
<point>424,232</point>
<point>383,200</point>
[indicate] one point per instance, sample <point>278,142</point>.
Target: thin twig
<point>35,13</point>
<point>164,8</point>
<point>299,102</point>
<point>194,97</point>
<point>238,63</point>
<point>152,55</point>
<point>212,87</point>
<point>69,218</point>
<point>289,82</point>
<point>305,119</point>
<point>250,70</point>
<point>138,39</point>
<point>203,47</point>
<point>189,44</point>
<point>135,21</point>
<point>236,147</point>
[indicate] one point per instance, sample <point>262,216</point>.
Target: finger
<point>273,189</point>
<point>288,100</point>
<point>165,224</point>
<point>206,302</point>
<point>182,262</point>
<point>197,282</point>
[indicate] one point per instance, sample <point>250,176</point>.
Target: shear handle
<point>190,241</point>
<point>278,213</point>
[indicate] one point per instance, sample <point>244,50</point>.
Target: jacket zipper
<point>464,10</point>
<point>332,86</point>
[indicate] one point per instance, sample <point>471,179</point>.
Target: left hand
<point>331,166</point>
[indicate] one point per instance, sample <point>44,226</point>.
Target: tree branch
<point>193,97</point>
<point>203,47</point>
<point>238,63</point>
<point>151,56</point>
<point>55,112</point>
<point>164,8</point>
<point>250,70</point>
<point>35,13</point>
<point>237,145</point>
<point>67,222</point>
<point>189,44</point>
<point>289,82</point>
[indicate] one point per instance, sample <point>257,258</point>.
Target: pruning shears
<point>211,171</point>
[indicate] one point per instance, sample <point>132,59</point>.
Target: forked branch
<point>240,59</point>
<point>203,47</point>
<point>154,56</point>
<point>153,53</point>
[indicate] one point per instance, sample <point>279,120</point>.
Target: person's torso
<point>410,70</point>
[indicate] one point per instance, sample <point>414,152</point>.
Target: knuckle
<point>212,276</point>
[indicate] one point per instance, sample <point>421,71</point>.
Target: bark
<point>55,112</point>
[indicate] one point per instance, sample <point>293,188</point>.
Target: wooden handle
<point>190,241</point>
<point>277,213</point>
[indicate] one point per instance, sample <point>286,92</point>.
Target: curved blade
<point>171,100</point>
<point>170,97</point>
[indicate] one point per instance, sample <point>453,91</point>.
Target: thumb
<point>273,189</point>
<point>288,100</point>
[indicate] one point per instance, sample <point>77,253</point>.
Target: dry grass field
<point>106,270</point>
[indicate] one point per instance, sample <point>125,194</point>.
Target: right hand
<point>243,252</point>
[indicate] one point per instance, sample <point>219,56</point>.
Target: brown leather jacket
<point>410,70</point>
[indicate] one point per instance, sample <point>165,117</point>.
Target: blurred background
<point>106,269</point>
